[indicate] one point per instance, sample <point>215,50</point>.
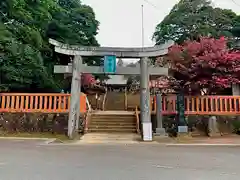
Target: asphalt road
<point>27,160</point>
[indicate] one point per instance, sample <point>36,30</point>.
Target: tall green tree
<point>236,27</point>
<point>190,19</point>
<point>26,58</point>
<point>75,24</point>
<point>21,64</point>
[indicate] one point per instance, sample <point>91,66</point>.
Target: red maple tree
<point>204,64</point>
<point>87,79</point>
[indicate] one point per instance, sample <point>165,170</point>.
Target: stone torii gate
<point>77,67</point>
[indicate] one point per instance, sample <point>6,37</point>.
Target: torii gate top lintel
<point>117,51</point>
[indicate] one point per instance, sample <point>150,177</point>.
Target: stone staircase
<point>112,122</point>
<point>115,101</point>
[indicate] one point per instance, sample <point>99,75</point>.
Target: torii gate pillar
<point>145,100</point>
<point>74,112</point>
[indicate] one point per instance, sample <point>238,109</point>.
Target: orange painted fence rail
<point>60,103</point>
<point>202,105</point>
<point>42,103</point>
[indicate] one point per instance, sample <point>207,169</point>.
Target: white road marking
<point>164,167</point>
<point>3,164</point>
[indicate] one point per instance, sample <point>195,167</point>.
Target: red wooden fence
<point>203,105</point>
<point>60,103</point>
<point>43,103</point>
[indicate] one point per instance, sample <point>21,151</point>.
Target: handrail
<point>88,104</point>
<point>87,120</point>
<point>137,120</point>
<point>104,99</point>
<point>87,117</point>
<point>125,99</point>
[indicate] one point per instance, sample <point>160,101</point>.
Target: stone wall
<point>198,125</point>
<point>33,123</point>
<point>57,123</point>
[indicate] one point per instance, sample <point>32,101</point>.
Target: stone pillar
<point>145,101</point>
<point>235,90</point>
<point>213,126</point>
<point>160,130</point>
<point>74,113</point>
<point>182,125</point>
<point>77,123</point>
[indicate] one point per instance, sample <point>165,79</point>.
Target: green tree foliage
<point>236,27</point>
<point>190,19</point>
<point>74,24</point>
<point>26,58</point>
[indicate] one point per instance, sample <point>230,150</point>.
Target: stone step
<point>115,101</point>
<point>110,138</point>
<point>113,116</point>
<point>112,130</point>
<point>127,123</point>
<point>111,127</point>
<point>122,113</point>
<point>112,120</point>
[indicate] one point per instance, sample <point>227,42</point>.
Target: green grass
<point>35,135</point>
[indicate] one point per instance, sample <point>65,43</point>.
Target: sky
<point>121,20</point>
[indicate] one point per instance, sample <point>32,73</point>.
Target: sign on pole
<point>110,64</point>
<point>182,125</point>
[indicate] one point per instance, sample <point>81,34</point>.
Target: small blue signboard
<point>110,63</point>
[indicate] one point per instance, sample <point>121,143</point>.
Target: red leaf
<point>207,63</point>
<point>87,79</point>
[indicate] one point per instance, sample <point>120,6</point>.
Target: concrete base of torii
<point>147,131</point>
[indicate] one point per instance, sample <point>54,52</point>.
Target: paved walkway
<point>222,140</point>
<point>112,138</point>
<point>218,140</point>
<point>131,138</point>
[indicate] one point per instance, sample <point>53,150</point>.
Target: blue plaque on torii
<point>110,64</point>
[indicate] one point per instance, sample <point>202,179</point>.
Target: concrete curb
<point>24,138</point>
<point>46,140</point>
<point>79,143</point>
<point>105,142</point>
<point>202,144</point>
